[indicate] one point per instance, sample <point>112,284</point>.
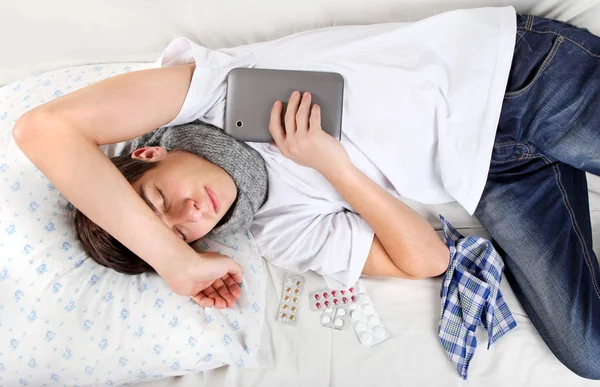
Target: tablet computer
<point>251,94</point>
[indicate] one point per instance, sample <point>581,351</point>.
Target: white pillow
<point>66,320</point>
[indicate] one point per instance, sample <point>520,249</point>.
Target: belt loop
<point>529,23</point>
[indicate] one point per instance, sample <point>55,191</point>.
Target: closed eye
<point>144,196</point>
<point>164,198</point>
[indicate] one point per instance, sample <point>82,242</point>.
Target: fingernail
<point>296,93</point>
<point>275,104</point>
<point>306,93</point>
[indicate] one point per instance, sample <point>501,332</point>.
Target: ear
<point>150,154</point>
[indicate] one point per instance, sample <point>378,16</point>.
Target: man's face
<point>188,193</point>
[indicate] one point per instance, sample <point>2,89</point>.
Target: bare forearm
<point>62,138</point>
<point>404,234</point>
<point>407,238</point>
<point>86,178</point>
<point>123,107</point>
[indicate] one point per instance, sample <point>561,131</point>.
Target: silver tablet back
<point>251,94</point>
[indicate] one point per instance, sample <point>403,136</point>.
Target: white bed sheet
<point>311,355</point>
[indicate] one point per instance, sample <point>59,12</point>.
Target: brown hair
<point>99,244</point>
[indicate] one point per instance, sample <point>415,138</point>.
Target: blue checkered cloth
<point>471,296</point>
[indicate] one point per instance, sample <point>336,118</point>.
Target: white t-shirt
<point>421,105</point>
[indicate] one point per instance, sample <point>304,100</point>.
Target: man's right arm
<point>62,137</point>
<point>402,236</point>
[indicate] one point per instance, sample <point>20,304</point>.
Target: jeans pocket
<point>523,63</point>
<point>510,151</point>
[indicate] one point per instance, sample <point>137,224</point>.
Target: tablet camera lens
<point>239,124</point>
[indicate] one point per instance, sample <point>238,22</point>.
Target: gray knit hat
<point>241,162</point>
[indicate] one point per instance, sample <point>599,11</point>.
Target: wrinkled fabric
<point>471,297</point>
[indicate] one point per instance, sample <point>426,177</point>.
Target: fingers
<point>303,113</point>
<point>315,117</point>
<point>275,127</point>
<point>233,286</point>
<point>296,117</point>
<point>204,301</point>
<point>211,292</point>
<point>290,114</point>
<point>223,291</point>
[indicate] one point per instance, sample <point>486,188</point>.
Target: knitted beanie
<point>241,162</point>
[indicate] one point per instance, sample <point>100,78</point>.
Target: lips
<point>214,199</point>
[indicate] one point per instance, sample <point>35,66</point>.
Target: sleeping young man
<point>497,111</point>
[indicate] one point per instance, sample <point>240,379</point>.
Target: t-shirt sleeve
<point>209,82</point>
<point>206,94</point>
<point>334,245</point>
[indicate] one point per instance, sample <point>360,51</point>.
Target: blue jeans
<point>535,203</point>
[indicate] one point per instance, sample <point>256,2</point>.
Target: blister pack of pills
<point>335,318</point>
<point>289,304</point>
<point>332,298</point>
<point>366,321</point>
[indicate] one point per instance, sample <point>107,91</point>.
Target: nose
<point>189,212</point>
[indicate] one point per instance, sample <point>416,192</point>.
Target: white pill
<point>356,315</point>
<point>326,319</point>
<point>379,332</point>
<point>374,321</point>
<point>361,327</point>
<point>328,310</point>
<point>369,309</point>
<point>339,322</point>
<point>341,312</point>
<point>366,338</point>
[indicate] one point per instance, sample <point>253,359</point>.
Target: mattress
<point>40,36</point>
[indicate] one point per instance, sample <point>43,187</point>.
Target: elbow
<point>26,130</point>
<point>32,128</point>
<point>435,263</point>
<point>22,130</point>
<point>442,261</point>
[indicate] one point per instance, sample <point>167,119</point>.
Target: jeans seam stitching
<point>577,229</point>
<point>531,152</point>
<point>506,143</point>
<point>522,157</point>
<point>525,156</point>
<point>540,71</point>
<point>569,39</point>
<point>529,23</point>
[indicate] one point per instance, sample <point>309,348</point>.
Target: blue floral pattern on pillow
<point>66,320</point>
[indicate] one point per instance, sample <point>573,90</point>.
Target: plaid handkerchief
<point>471,296</point>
